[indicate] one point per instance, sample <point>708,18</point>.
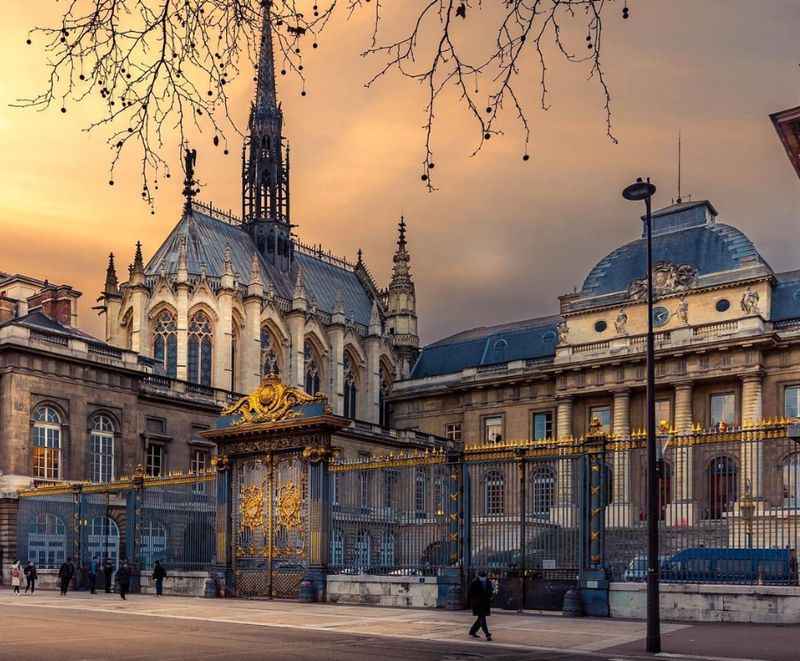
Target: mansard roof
<point>207,236</point>
<point>786,296</point>
<point>532,339</point>
<point>39,321</point>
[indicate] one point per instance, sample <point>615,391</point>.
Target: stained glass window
<point>200,348</point>
<point>269,356</point>
<point>312,369</point>
<point>165,342</point>
<point>350,388</point>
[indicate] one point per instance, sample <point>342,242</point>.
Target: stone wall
<point>397,591</point>
<point>183,583</point>
<point>710,603</point>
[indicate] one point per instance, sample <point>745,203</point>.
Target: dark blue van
<point>715,565</point>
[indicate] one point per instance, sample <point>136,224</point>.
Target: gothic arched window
<point>165,342</point>
<point>201,337</point>
<point>350,388</point>
<point>269,357</point>
<point>383,404</point>
<point>47,541</point>
<point>312,369</point>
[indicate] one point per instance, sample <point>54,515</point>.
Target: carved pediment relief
<point>668,278</point>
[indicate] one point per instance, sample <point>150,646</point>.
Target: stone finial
<point>228,260</point>
<point>255,270</point>
<point>299,294</point>
<point>138,260</point>
<point>112,284</point>
<point>338,314</point>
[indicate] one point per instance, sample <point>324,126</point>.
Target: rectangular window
<point>603,414</point>
<point>102,447</point>
<point>542,425</point>
<point>791,399</point>
<point>156,425</point>
<point>723,409</point>
<point>47,452</point>
<point>493,429</point>
<point>663,412</point>
<point>452,431</point>
<point>198,464</point>
<point>154,460</point>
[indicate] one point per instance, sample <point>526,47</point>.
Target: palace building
<point>224,301</point>
<point>728,356</point>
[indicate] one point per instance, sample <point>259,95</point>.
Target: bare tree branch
<point>162,66</point>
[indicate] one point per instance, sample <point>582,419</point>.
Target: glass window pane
<point>542,425</point>
<point>723,409</point>
<point>493,429</point>
<point>792,402</point>
<point>603,414</point>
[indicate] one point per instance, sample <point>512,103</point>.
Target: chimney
<point>59,303</point>
<point>8,308</point>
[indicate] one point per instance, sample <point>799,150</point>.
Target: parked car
<point>637,568</point>
<point>720,565</point>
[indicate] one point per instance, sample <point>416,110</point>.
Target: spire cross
<point>401,242</point>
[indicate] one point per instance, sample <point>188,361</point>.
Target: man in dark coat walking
<point>481,591</point>
<point>123,578</point>
<point>65,574</point>
<point>159,574</point>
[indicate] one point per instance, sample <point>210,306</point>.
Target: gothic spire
<point>112,285</point>
<point>265,166</point>
<point>401,272</point>
<point>266,96</point>
<point>138,260</point>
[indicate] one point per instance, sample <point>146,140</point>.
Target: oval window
<point>723,304</point>
<point>600,326</point>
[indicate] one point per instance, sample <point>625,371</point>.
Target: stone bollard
<point>573,607</point>
<point>307,592</point>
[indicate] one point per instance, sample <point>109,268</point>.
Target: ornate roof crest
<point>272,401</point>
<point>668,278</point>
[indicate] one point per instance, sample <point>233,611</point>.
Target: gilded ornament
<point>272,401</point>
<point>251,507</point>
<point>289,502</point>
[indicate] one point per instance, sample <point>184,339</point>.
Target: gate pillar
<point>223,541</point>
<point>315,581</point>
<point>594,577</point>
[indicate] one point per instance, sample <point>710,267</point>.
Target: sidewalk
<point>581,636</point>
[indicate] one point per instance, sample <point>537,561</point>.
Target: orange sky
<point>501,239</point>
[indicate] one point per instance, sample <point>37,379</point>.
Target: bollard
<point>307,592</point>
<point>572,604</point>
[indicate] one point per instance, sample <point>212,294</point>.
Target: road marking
<point>670,655</point>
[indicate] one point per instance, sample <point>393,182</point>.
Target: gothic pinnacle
<point>138,260</point>
<point>111,276</point>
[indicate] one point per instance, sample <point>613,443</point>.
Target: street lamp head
<point>640,190</point>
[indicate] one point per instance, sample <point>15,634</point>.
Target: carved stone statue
<point>621,323</point>
<point>682,311</point>
<point>563,331</point>
<point>750,302</point>
<point>667,278</point>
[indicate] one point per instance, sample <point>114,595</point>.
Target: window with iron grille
<point>791,481</point>
<point>603,415</point>
<point>495,497</point>
<point>387,549</point>
<point>391,479</point>
<point>723,410</point>
<point>362,551</point>
<point>791,401</point>
<point>543,484</point>
<point>420,492</point>
<point>722,483</point>
<point>337,548</point>
<point>47,541</point>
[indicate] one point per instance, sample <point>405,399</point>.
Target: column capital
<point>752,377</point>
<point>621,392</point>
<point>683,385</point>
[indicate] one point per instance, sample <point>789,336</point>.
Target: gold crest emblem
<point>270,402</point>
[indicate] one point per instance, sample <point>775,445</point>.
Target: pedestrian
<point>65,574</point>
<point>159,574</point>
<point>16,576</point>
<point>108,570</point>
<point>123,578</point>
<point>31,575</point>
<point>481,591</point>
<point>92,575</point>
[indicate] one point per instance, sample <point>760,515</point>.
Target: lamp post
<point>637,192</point>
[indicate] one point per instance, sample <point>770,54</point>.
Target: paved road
<point>34,634</point>
<point>82,627</point>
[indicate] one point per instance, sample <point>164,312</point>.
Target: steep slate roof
<point>786,296</point>
<point>522,340</point>
<point>39,321</point>
<point>207,238</point>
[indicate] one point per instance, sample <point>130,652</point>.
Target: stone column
<point>566,505</point>
<point>336,339</point>
<point>752,451</point>
<point>250,346</point>
<point>681,511</point>
<point>139,330</point>
<point>182,325</point>
<point>296,362</point>
<point>372,400</point>
<point>223,341</point>
<point>620,512</point>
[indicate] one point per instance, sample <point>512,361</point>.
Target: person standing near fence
<point>123,578</point>
<point>65,574</point>
<point>108,570</point>
<point>159,574</point>
<point>16,576</point>
<point>481,591</point>
<point>92,575</point>
<point>31,575</point>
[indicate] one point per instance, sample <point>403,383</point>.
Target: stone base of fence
<point>690,602</point>
<point>183,583</point>
<point>396,591</point>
